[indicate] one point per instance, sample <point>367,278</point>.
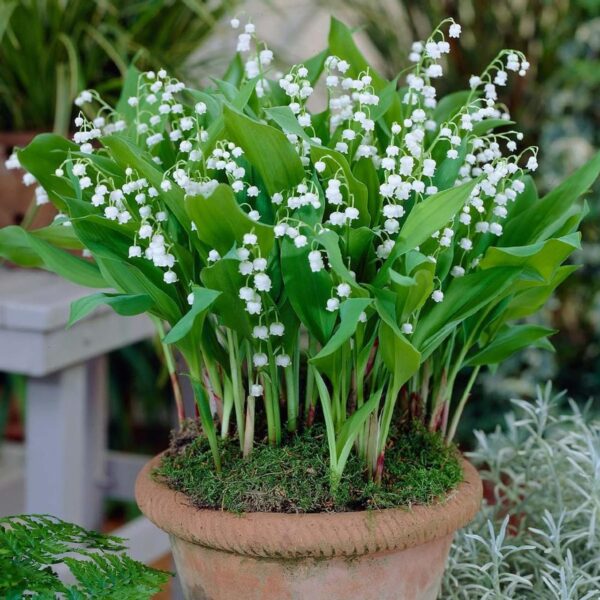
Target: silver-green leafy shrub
<point>540,537</point>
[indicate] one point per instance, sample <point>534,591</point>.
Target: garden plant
<point>326,273</point>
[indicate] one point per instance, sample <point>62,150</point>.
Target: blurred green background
<point>50,49</point>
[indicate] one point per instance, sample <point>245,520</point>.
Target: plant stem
<point>236,385</point>
<point>461,405</point>
<point>170,362</point>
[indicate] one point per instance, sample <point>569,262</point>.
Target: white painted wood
<point>12,479</point>
<point>146,542</point>
<point>59,480</point>
<point>34,312</point>
<point>122,469</point>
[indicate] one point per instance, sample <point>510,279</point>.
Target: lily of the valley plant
<point>342,263</point>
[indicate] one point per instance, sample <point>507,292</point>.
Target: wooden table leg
<point>66,429</point>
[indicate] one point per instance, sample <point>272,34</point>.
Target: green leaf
<point>308,292</point>
<point>203,299</point>
<point>529,301</point>
<point>221,222</point>
<point>129,279</point>
<point>341,44</point>
<point>267,148</point>
<point>449,105</point>
<point>543,257</point>
<point>325,398</point>
<point>285,118</point>
<point>507,342</point>
<point>541,220</point>
<point>129,89</point>
<point>330,241</point>
<point>401,358</point>
<point>28,250</point>
<point>429,215</point>
<point>464,297</point>
<point>225,277</point>
<point>412,296</point>
<point>123,304</point>
<point>42,157</point>
<point>350,311</point>
<point>315,64</point>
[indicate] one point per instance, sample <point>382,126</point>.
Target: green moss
<point>419,469</point>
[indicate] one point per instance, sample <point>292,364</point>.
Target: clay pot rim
<point>318,535</point>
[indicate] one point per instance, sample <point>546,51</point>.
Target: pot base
<point>411,574</point>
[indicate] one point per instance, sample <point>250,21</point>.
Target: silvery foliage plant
<point>343,263</point>
<point>538,535</point>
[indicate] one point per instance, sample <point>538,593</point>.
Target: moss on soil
<point>294,478</point>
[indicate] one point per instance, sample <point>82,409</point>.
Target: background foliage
<point>52,49</point>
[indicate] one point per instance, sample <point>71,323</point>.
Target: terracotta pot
<point>15,197</point>
<point>394,554</point>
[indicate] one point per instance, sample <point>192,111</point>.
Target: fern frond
<point>31,545</point>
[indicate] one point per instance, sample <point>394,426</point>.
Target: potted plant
<point>326,275</point>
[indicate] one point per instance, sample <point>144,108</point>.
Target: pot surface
<point>392,554</point>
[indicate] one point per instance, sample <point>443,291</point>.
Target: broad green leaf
<point>401,358</point>
<point>387,95</point>
<point>449,105</point>
<point>225,277</point>
<point>464,297</point>
<point>412,293</point>
<point>530,300</point>
<point>342,45</point>
<point>58,235</point>
<point>330,241</point>
<point>350,311</point>
<point>364,170</point>
<point>428,216</point>
<point>235,70</point>
<point>308,292</point>
<point>546,216</point>
<point>203,299</point>
<point>129,279</point>
<point>267,148</point>
<point>315,65</point>
<point>28,250</point>
<point>42,157</point>
<point>221,222</point>
<point>448,169</point>
<point>126,305</point>
<point>507,342</point>
<point>543,257</point>
<point>286,119</point>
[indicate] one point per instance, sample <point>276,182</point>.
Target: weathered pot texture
<point>392,554</point>
<point>15,197</point>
